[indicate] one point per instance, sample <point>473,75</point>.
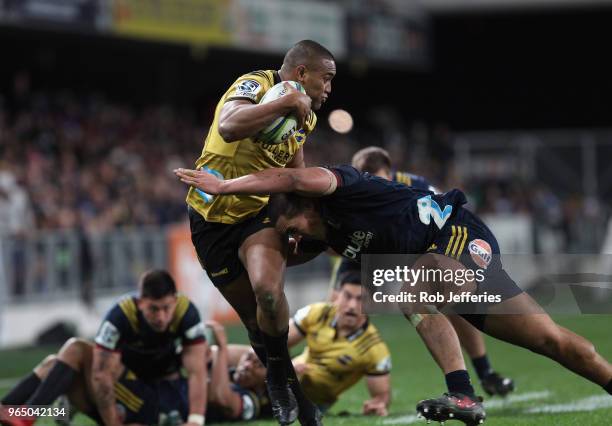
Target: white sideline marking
<point>520,397</point>
<point>496,403</point>
<point>404,420</point>
<point>590,403</point>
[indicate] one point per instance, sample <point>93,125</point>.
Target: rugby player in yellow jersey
<point>237,245</point>
<point>342,346</point>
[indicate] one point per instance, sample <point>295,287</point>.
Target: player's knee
<point>49,361</point>
<point>74,350</point>
<point>268,298</point>
<point>549,344</point>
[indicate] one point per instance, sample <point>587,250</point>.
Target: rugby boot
<point>284,405</point>
<point>494,384</point>
<point>453,406</point>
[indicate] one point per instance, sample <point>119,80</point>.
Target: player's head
<point>296,216</point>
<point>157,299</point>
<point>313,66</point>
<point>373,160</point>
<point>348,301</point>
<point>250,372</point>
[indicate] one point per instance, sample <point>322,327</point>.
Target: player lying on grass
<point>236,389</point>
<point>339,205</point>
<point>132,373</point>
<point>341,348</point>
<point>377,161</point>
<point>232,235</point>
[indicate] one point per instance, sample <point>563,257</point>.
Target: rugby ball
<point>282,128</point>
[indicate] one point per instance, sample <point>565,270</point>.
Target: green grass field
<point>542,385</point>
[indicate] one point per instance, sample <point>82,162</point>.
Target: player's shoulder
<point>370,340</point>
<point>185,316</point>
<point>124,313</point>
<point>252,85</point>
<point>320,312</point>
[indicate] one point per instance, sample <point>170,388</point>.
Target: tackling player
<point>132,374</point>
<point>342,204</point>
<point>234,239</point>
<point>376,161</point>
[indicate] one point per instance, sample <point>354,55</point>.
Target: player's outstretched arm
<point>192,357</point>
<point>241,119</point>
<point>379,388</point>
<point>309,181</point>
<point>105,364</point>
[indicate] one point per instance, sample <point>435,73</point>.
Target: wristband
<point>198,419</point>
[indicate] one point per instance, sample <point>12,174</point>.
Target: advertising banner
<point>189,21</point>
<point>67,14</point>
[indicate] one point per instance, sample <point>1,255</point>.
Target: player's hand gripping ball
<point>282,128</point>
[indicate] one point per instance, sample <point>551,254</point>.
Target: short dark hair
<point>305,52</point>
<point>288,204</point>
<point>349,277</point>
<point>371,159</point>
<point>156,284</point>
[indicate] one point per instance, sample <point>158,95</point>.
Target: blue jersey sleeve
<point>113,329</point>
<point>192,328</point>
<point>348,179</point>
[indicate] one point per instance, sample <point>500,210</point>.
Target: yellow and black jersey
<point>336,363</point>
<point>228,160</point>
<point>147,353</point>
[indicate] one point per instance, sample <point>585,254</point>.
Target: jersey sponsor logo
<point>345,359</point>
<point>301,314</point>
<point>384,365</point>
<point>481,253</point>
<point>207,197</point>
<point>108,335</point>
<point>196,331</point>
<point>248,89</point>
<point>429,209</point>
<point>359,240</point>
<point>219,273</point>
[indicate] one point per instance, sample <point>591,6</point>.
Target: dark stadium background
<point>538,68</point>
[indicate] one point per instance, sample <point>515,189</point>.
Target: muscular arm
<point>311,181</point>
<point>379,388</point>
<point>196,376</point>
<point>241,119</point>
<point>221,393</point>
<point>106,365</point>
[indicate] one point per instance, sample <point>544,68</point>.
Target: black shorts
<point>149,403</point>
<point>217,244</point>
<point>467,239</point>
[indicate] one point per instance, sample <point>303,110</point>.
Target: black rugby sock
<point>257,343</point>
<point>608,387</point>
<point>55,384</point>
<point>22,390</point>
<point>482,366</point>
<point>307,409</point>
<point>459,382</point>
<point>277,356</point>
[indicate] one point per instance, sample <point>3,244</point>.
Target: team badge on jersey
<point>248,89</point>
<point>481,253</point>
